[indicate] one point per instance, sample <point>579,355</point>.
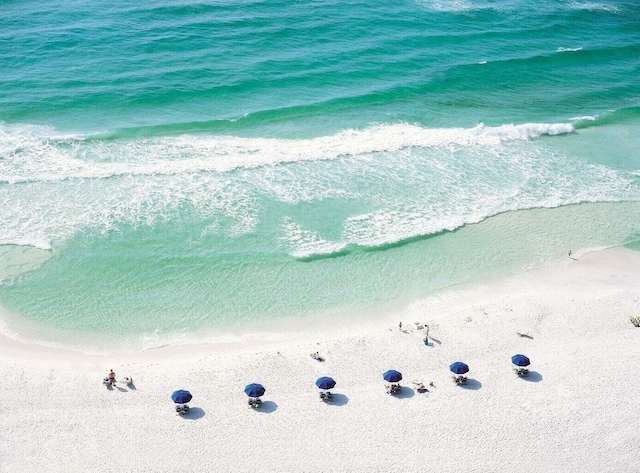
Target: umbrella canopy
<point>325,382</point>
<point>254,390</point>
<point>459,368</point>
<point>181,396</point>
<point>520,360</point>
<point>392,376</point>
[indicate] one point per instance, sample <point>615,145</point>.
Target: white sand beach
<point>576,412</point>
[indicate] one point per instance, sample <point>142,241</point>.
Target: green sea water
<point>175,171</point>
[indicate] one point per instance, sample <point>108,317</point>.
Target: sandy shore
<point>577,411</point>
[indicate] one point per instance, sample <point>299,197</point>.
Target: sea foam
<point>29,157</point>
<point>419,181</point>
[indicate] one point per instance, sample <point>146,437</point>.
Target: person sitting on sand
<point>316,356</point>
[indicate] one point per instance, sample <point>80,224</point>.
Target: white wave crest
<point>563,50</point>
<point>307,243</point>
<point>586,118</point>
<point>461,6</point>
<point>385,183</point>
<point>594,6</point>
<point>28,157</point>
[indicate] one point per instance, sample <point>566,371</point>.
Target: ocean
<point>181,171</point>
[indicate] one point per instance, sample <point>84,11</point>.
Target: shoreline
<point>316,328</point>
<point>574,413</point>
<point>343,291</point>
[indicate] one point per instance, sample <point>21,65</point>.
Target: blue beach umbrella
<point>392,376</point>
<point>181,396</point>
<point>459,368</point>
<point>520,360</point>
<point>254,390</point>
<point>325,382</point>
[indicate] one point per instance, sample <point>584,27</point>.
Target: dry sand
<point>577,411</point>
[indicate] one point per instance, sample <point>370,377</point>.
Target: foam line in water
<point>565,50</point>
<point>375,187</point>
<point>29,157</point>
<point>308,243</point>
<point>594,7</point>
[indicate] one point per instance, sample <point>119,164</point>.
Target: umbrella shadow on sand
<point>472,384</point>
<point>533,377</point>
<point>338,400</point>
<point>193,413</point>
<point>405,393</point>
<point>267,407</point>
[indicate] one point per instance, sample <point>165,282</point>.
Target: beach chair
<point>522,372</point>
<point>393,389</point>
<point>459,380</point>
<point>182,409</point>
<point>326,396</point>
<point>255,403</point>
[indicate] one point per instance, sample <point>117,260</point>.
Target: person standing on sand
<point>112,377</point>
<point>400,326</point>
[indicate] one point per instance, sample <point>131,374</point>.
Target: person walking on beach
<point>400,326</point>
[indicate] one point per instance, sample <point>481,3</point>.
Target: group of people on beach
<point>419,327</point>
<point>110,379</point>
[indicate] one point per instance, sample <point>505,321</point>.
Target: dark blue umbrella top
<point>254,390</point>
<point>520,360</point>
<point>325,382</point>
<point>181,396</point>
<point>459,367</point>
<point>392,376</point>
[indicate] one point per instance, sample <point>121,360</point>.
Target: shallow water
<point>177,168</point>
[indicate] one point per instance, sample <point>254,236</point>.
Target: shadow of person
<point>533,377</point>
<point>194,413</point>
<point>405,393</point>
<point>132,386</point>
<point>472,384</point>
<point>122,390</point>
<point>267,407</point>
<point>435,340</point>
<point>338,400</point>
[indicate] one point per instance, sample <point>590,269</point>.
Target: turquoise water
<point>180,167</point>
